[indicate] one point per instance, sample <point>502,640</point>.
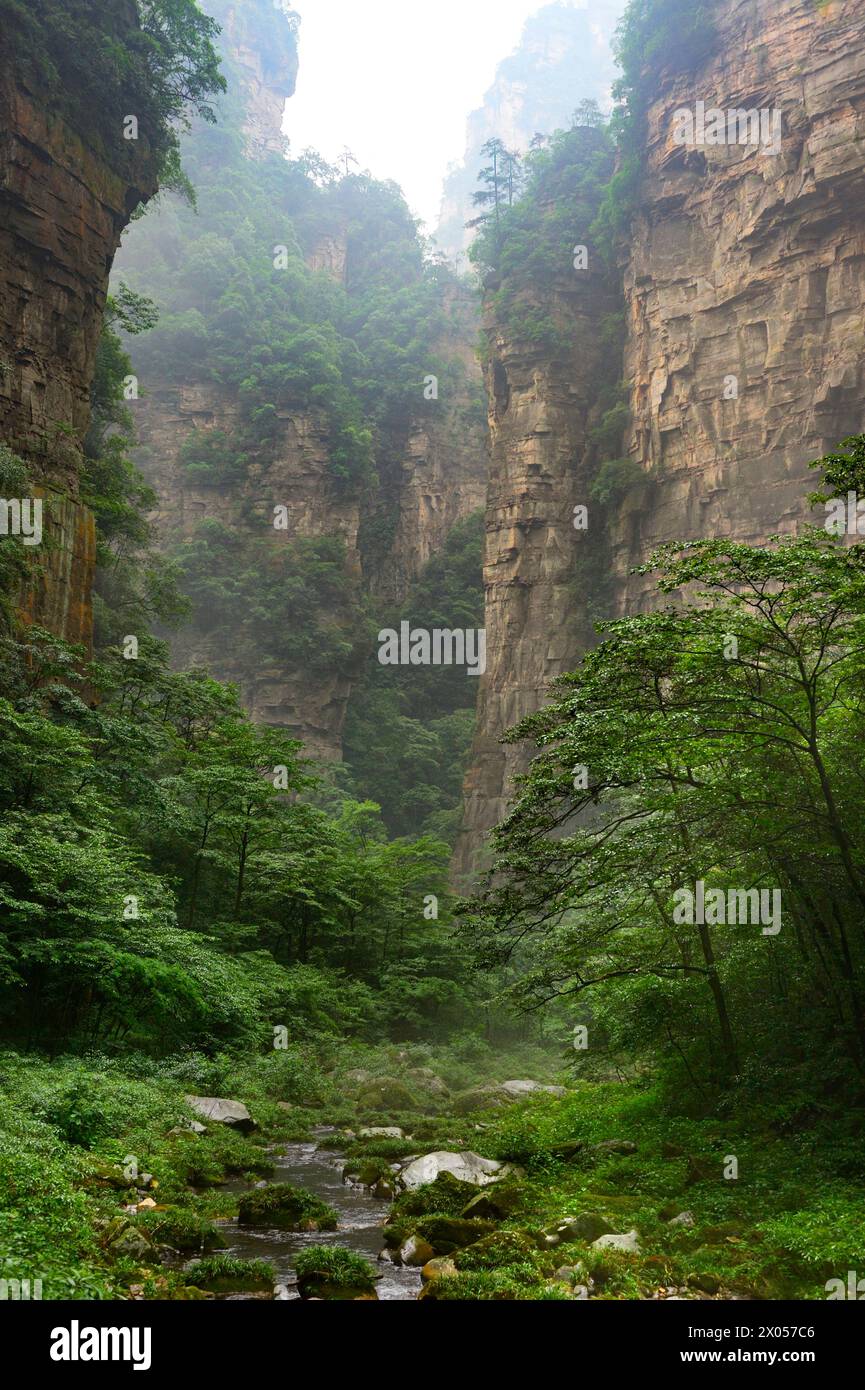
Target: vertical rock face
<point>440,479</point>
<point>744,287</point>
<point>263,53</point>
<point>62,210</point>
<point>541,408</point>
<point>299,479</point>
<point>747,274</point>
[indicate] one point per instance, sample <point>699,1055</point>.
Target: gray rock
<point>615,1146</point>
<point>468,1167</point>
<point>629,1241</point>
<point>382,1132</point>
<point>518,1090</point>
<point>685,1218</point>
<point>223,1112</point>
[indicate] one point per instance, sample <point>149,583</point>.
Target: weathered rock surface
<point>223,1112</point>
<point>743,264</point>
<point>629,1241</point>
<point>63,205</point>
<point>468,1167</point>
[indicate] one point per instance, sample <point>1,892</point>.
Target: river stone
<point>416,1252</point>
<point>628,1241</point>
<point>382,1132</point>
<point>468,1167</point>
<point>223,1112</point>
<point>437,1269</point>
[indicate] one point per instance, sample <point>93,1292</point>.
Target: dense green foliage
<point>241,307</point>
<point>98,62</point>
<point>409,729</point>
<point>719,741</point>
<point>673,35</point>
<point>527,250</point>
<point>135,585</point>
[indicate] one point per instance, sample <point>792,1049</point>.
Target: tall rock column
<point>62,210</point>
<point>541,407</point>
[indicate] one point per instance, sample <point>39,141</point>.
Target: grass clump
<point>286,1207</point>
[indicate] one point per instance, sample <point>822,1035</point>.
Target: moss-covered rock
<point>448,1233</point>
<point>498,1250</point>
<point>333,1273</point>
<point>287,1208</point>
<point>447,1195</point>
<point>225,1274</point>
<point>387,1094</point>
<point>367,1171</point>
<point>496,1202</point>
<point>180,1228</point>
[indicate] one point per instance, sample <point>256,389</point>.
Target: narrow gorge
<point>431,677</point>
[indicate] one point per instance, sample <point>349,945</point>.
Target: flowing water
<point>361,1219</point>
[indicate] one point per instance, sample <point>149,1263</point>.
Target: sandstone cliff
<point>742,264</point>
<point>64,201</point>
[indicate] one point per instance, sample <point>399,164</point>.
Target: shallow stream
<point>361,1221</point>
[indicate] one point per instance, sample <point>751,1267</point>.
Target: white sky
<point>394,80</point>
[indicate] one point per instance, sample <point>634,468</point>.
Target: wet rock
<point>437,1269</point>
<point>416,1252</point>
